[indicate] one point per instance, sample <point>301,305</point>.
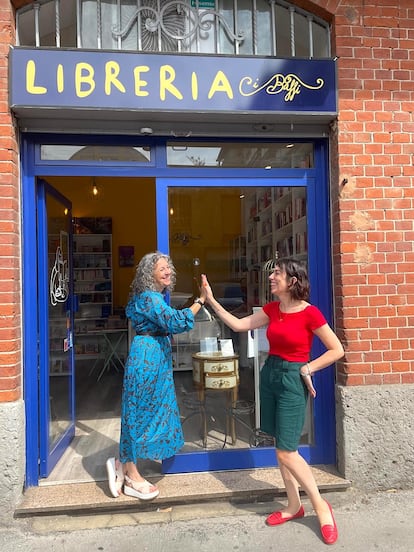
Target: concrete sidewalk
<point>375,522</point>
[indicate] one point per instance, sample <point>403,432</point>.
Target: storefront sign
<point>211,4</point>
<point>129,81</point>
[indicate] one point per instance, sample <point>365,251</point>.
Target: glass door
<point>232,230</point>
<point>56,353</point>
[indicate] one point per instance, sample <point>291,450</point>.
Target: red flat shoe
<point>329,532</point>
<point>277,519</point>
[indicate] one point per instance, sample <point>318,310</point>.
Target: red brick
<point>392,378</point>
<point>9,371</point>
<point>9,384</point>
<point>351,380</point>
<point>373,379</point>
<point>10,395</point>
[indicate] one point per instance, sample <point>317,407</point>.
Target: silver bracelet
<point>308,373</point>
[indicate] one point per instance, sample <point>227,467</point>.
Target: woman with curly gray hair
<point>150,420</point>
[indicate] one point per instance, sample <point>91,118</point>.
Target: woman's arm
<point>251,322</point>
<point>334,352</point>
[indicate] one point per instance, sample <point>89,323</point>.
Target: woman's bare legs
<point>295,471</point>
<point>292,491</point>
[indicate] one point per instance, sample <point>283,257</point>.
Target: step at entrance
<point>242,485</point>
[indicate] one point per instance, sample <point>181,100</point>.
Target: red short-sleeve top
<point>290,334</point>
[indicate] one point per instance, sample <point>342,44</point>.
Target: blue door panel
<point>323,450</point>
<point>51,447</point>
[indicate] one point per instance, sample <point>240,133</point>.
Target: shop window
<point>216,370</point>
<point>95,153</point>
<point>243,155</point>
<point>230,27</point>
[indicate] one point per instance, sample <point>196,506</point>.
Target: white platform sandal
<point>139,489</point>
<point>115,476</point>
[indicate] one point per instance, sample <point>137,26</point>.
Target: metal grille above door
<point>228,27</point>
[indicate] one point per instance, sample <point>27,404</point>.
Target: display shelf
<point>275,225</point>
<point>92,268</point>
<point>238,259</point>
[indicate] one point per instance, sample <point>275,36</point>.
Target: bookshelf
<point>275,224</point>
<point>92,269</point>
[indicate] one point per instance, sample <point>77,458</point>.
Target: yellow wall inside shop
<point>210,218</point>
<point>130,202</point>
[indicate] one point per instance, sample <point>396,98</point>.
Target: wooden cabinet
<point>218,373</point>
<point>214,371</point>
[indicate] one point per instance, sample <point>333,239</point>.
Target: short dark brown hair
<point>295,268</point>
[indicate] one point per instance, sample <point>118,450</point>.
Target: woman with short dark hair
<point>286,380</point>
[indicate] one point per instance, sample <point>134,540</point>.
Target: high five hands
<point>205,288</point>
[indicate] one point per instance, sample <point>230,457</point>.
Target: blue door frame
<point>323,450</point>
<point>316,182</point>
<point>51,452</point>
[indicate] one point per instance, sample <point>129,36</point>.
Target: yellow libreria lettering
<point>167,76</point>
<point>139,83</point>
<point>82,79</point>
<point>84,75</point>
<point>220,84</point>
<point>60,79</point>
<point>112,70</point>
<point>194,85</point>
<point>30,79</point>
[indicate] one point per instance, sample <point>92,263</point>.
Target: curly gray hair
<point>144,274</point>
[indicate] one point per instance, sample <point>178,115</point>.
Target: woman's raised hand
<point>206,289</point>
<point>203,292</point>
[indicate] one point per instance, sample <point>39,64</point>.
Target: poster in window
<point>126,255</point>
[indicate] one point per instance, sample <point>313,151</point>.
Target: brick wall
<point>372,188</point>
<point>10,319</point>
<point>372,168</point>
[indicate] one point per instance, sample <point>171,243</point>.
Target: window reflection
<point>243,155</point>
<point>140,154</point>
<point>252,225</point>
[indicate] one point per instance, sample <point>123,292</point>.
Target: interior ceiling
<point>179,124</point>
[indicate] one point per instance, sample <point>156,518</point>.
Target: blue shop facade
<point>219,157</point>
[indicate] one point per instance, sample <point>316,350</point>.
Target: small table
<point>219,373</point>
<point>113,339</point>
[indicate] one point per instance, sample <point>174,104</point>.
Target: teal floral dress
<point>150,419</point>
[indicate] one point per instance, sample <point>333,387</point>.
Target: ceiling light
<point>95,190</point>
